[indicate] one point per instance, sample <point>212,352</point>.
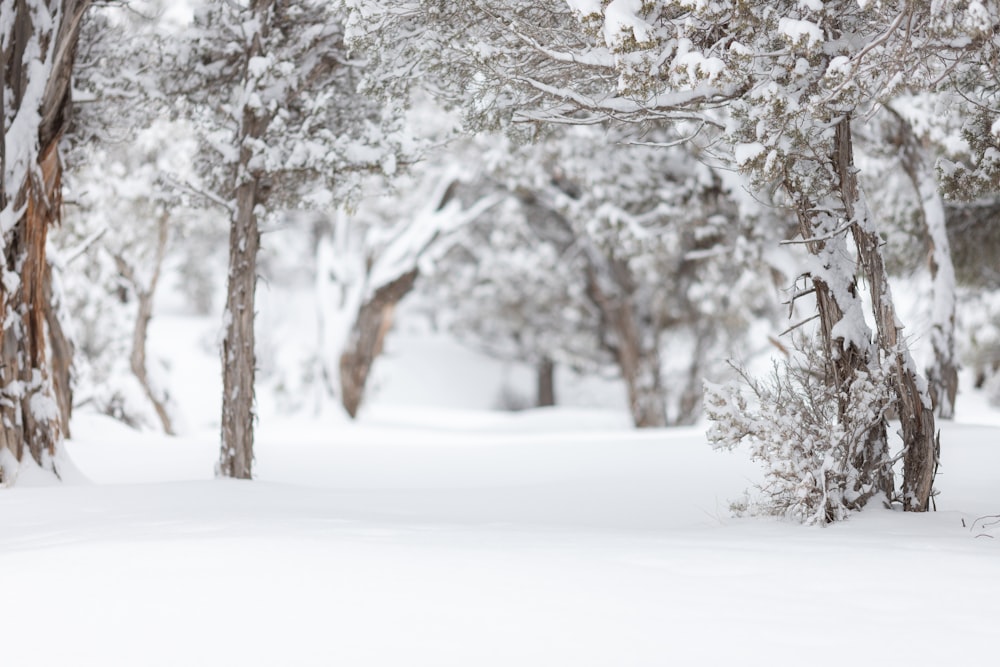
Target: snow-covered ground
<point>426,535</point>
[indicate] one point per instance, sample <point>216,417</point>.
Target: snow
<point>799,31</point>
<point>460,536</point>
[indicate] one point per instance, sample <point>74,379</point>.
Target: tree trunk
<point>144,296</point>
<point>845,337</point>
<point>238,359</point>
<point>367,337</point>
<point>915,412</point>
<point>639,367</point>
<point>546,395</point>
<point>39,46</point>
<point>942,374</point>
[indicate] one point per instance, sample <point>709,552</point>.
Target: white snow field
<point>429,536</point>
<point>553,538</point>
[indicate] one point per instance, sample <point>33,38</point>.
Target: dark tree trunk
<point>916,414</point>
<point>238,359</point>
<point>367,338</point>
<point>32,417</point>
<point>845,360</point>
<point>546,395</point>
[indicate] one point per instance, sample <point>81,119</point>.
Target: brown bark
<point>144,296</point>
<point>546,395</point>
<point>367,338</point>
<point>913,404</point>
<point>238,359</point>
<point>639,367</point>
<point>845,361</point>
<point>32,421</point>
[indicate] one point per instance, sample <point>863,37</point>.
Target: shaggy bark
<point>913,403</point>
<point>30,202</point>
<point>238,359</point>
<point>367,338</point>
<point>836,294</point>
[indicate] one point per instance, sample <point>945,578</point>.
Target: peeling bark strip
<point>40,44</point>
<point>238,360</point>
<point>367,338</point>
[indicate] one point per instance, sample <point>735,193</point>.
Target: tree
<point>274,94</point>
<point>369,262</point>
<point>38,41</point>
<point>773,88</point>
<point>617,254</point>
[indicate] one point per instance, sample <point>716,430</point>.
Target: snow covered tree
<point>38,41</point>
<point>616,254</point>
<point>368,262</point>
<point>774,87</point>
<point>275,97</point>
<point>112,270</point>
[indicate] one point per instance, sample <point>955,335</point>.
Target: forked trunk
<point>846,339</point>
<point>916,414</point>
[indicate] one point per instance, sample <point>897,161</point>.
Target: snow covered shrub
<point>811,441</point>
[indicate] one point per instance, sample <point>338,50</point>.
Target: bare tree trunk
<point>546,395</point>
<point>144,296</point>
<point>367,338</point>
<point>640,368</point>
<point>238,359</point>
<point>942,374</point>
<point>846,360</point>
<point>689,407</point>
<point>38,41</point>
<point>915,412</point>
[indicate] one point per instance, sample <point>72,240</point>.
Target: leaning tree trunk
<point>367,337</point>
<point>916,414</point>
<point>238,359</point>
<point>942,374</point>
<point>38,48</point>
<point>144,293</point>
